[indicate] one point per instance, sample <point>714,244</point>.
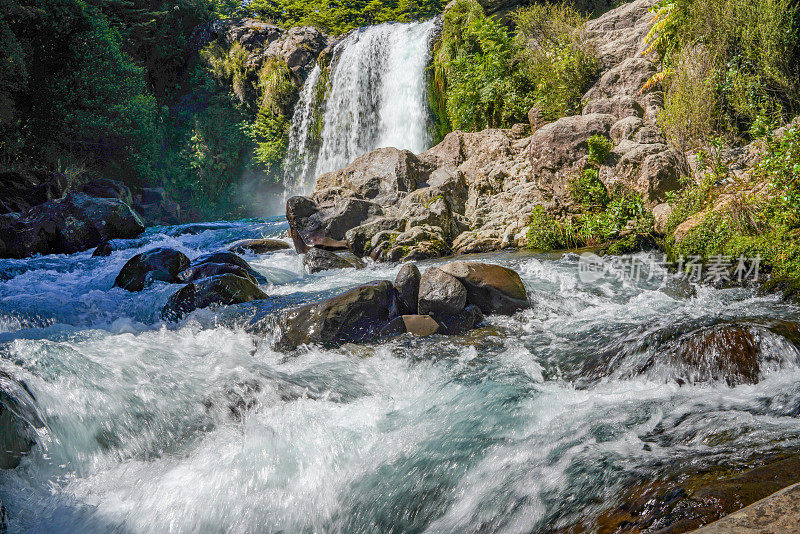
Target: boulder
<point>440,294</point>
<point>381,176</point>
<point>206,270</point>
<point>354,316</point>
<point>65,226</point>
<point>162,264</point>
<point>417,243</point>
<point>462,322</point>
<point>359,239</point>
<point>317,259</point>
<point>661,214</point>
<point>20,191</point>
<point>621,106</point>
<point>105,188</point>
<point>232,259</point>
<point>258,246</point>
<point>222,289</point>
<point>157,208</point>
<point>407,286</point>
<point>492,288</point>
<point>619,33</point>
<point>558,146</point>
<point>103,249</point>
<point>325,226</point>
<point>417,325</point>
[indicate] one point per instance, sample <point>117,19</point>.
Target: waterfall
<point>374,97</point>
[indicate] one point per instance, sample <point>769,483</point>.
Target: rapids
<point>202,427</point>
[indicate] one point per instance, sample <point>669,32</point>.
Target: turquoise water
<point>530,423</point>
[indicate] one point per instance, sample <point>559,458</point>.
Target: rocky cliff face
<point>475,192</point>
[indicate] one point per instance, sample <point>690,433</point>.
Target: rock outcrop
<point>475,192</point>
<point>72,224</point>
<point>435,302</point>
<point>20,191</point>
<point>258,246</point>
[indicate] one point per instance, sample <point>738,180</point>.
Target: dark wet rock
<point>197,228</point>
<point>440,294</point>
<point>65,226</point>
<point>216,290</point>
<point>103,249</point>
<point>18,418</point>
<point>693,498</point>
<point>258,246</point>
<point>231,258</point>
<point>462,322</point>
<point>325,225</point>
<point>493,288</point>
<point>205,270</point>
<point>723,352</point>
<point>407,286</point>
<point>162,264</point>
<point>105,188</point>
<point>20,191</point>
<point>157,208</point>
<point>354,316</point>
<point>317,259</point>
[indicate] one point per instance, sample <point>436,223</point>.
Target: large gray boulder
<point>382,176</point>
<point>440,294</point>
<point>72,224</point>
<point>492,288</point>
<point>158,264</point>
<point>354,316</point>
<point>232,259</point>
<point>407,286</point>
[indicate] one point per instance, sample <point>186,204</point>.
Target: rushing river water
<point>203,427</point>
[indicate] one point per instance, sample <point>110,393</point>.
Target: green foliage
<point>764,225</point>
<point>476,71</point>
<point>548,233</point>
<point>483,77</point>
<point>727,65</point>
<point>556,56</point>
<point>337,18</point>
<point>588,191</point>
<point>599,148</point>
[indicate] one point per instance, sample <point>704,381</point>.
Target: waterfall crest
<point>374,97</point>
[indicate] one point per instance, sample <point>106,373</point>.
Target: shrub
<point>599,149</point>
<point>556,55</point>
<point>548,233</point>
<point>588,191</point>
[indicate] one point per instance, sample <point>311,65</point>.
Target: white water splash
<point>375,98</point>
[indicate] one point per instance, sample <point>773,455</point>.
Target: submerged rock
<point>65,226</point>
<point>462,322</point>
<point>440,294</point>
<point>162,264</point>
<point>354,316</point>
<point>723,352</point>
<point>17,420</point>
<point>206,270</point>
<point>258,246</point>
<point>232,259</point>
<point>493,288</point>
<point>316,260</point>
<point>215,290</point>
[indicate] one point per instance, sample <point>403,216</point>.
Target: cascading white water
<point>375,97</point>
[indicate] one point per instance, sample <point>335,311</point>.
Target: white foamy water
<point>204,427</point>
<point>376,97</point>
